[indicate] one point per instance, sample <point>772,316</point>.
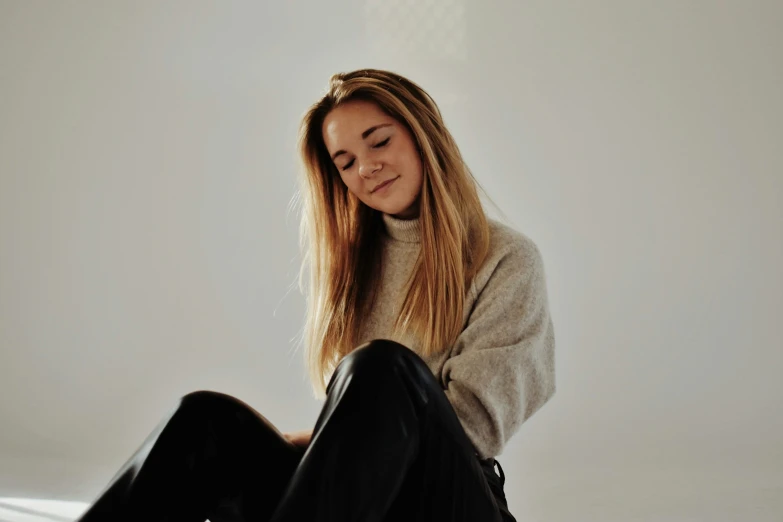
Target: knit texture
<point>501,369</point>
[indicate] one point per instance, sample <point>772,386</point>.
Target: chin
<point>393,205</point>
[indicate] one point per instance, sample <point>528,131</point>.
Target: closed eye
<point>376,146</point>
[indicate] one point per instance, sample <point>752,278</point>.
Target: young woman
<point>428,321</point>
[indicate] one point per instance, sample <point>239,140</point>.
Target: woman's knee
<point>380,355</point>
<point>381,362</point>
<point>206,402</point>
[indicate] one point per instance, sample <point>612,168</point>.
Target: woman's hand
<point>299,438</point>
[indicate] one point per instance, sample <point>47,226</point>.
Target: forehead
<point>346,123</point>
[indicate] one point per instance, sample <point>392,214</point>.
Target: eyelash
<point>377,146</point>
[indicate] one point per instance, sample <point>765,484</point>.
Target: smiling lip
<point>384,184</point>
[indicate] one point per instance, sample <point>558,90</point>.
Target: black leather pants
<point>387,446</point>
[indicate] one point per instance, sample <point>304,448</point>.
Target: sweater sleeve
<point>502,367</point>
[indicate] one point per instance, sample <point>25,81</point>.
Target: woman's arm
<point>503,368</point>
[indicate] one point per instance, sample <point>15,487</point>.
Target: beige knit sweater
<point>501,369</point>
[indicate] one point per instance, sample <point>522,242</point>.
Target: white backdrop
<point>147,160</point>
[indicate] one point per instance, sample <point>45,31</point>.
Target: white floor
<point>39,510</point>
<point>602,498</point>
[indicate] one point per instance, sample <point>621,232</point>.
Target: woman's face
<point>376,156</point>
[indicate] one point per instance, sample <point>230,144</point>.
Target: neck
<point>406,230</point>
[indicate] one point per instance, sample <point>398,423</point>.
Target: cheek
<point>408,158</point>
<point>352,184</point>
<point>417,173</point>
<point>418,183</point>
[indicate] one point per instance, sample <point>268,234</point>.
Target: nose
<point>368,167</point>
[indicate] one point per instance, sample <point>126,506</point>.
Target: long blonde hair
<point>341,236</point>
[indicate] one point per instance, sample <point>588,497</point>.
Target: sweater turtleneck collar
<point>406,230</point>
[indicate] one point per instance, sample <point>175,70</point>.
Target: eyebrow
<point>365,134</point>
